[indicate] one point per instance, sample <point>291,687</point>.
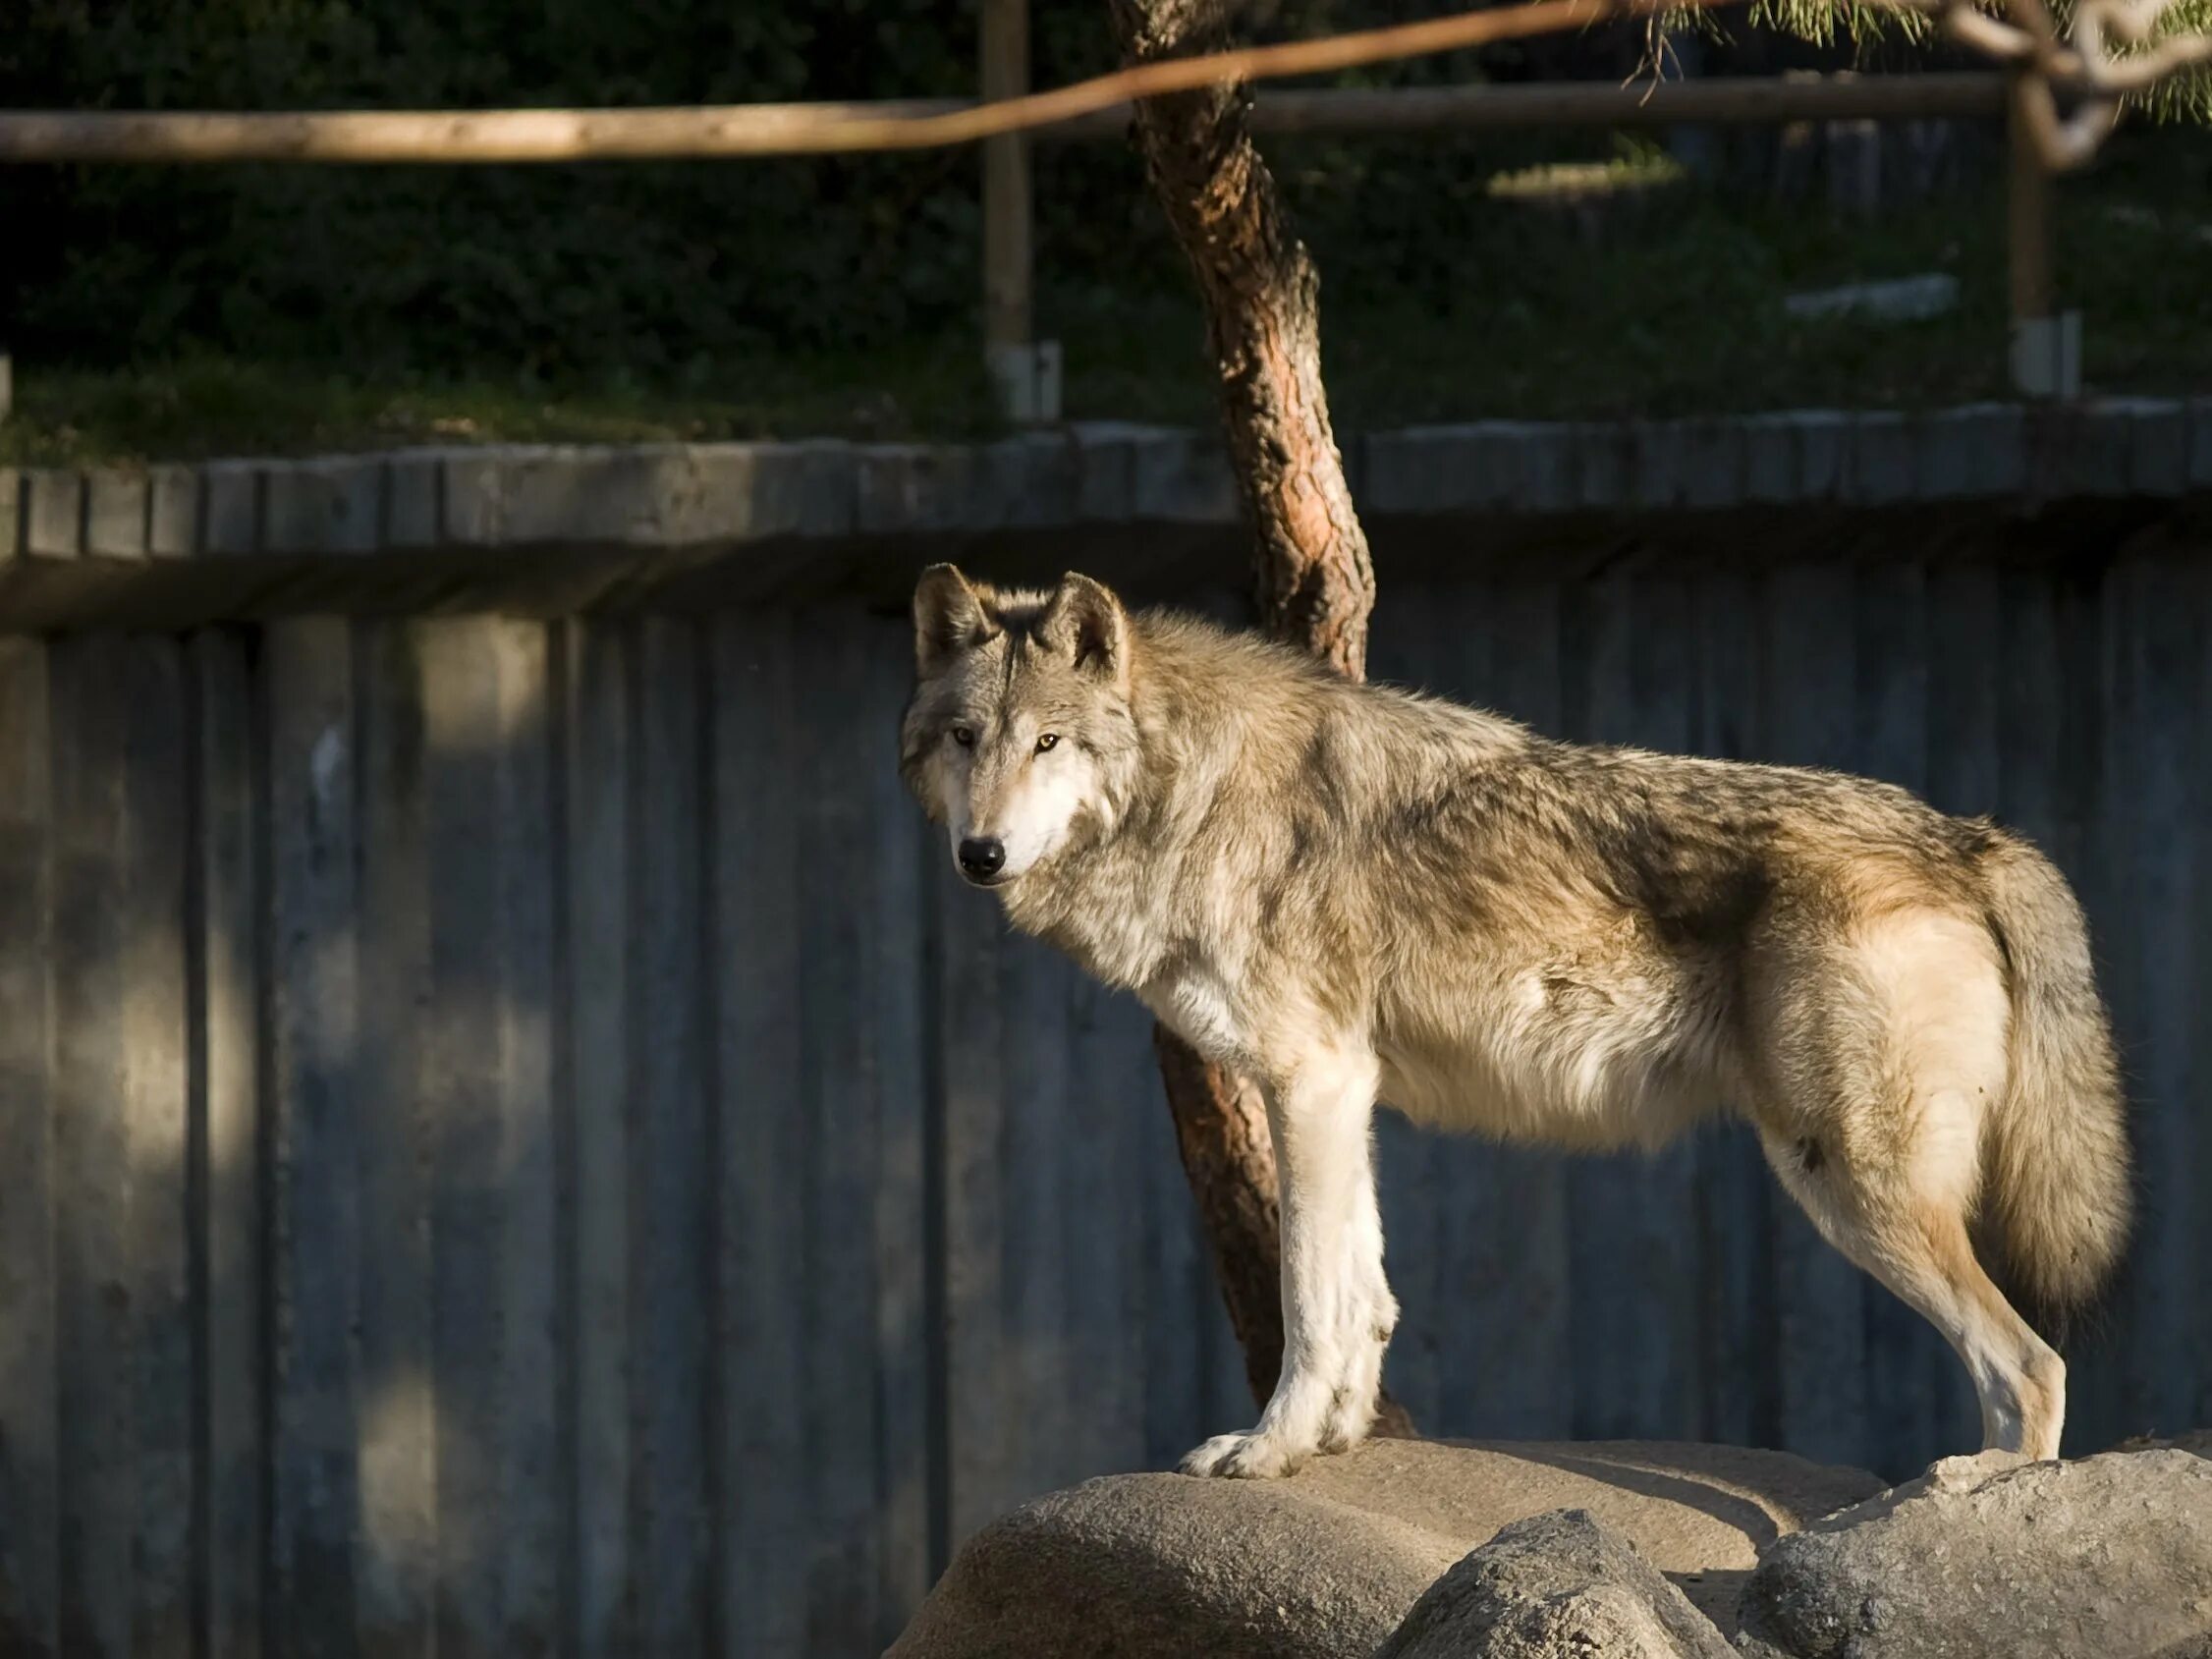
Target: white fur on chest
<point>1120,938</point>
<point>1199,1004</point>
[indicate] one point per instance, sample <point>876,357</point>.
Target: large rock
<point>2196,1439</point>
<point>1325,1565</point>
<point>1990,1556</point>
<point>1554,1586</point>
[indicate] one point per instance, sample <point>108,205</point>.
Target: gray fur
<point>1351,891</point>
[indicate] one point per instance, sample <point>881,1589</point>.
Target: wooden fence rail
<point>1025,372</point>
<point>817,129</point>
<point>744,131</point>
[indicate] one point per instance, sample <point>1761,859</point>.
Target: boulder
<point>1993,1556</point>
<point>1326,1563</point>
<point>1554,1586</point>
<point>2196,1439</point>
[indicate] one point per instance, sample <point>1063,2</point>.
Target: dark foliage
<point>665,274</point>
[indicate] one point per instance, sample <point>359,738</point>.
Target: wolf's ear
<point>1086,622</point>
<point>949,616</point>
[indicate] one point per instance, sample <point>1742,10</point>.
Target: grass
<point>209,406</point>
<point>1676,307</point>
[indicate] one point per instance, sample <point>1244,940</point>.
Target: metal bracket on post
<point>2046,343</point>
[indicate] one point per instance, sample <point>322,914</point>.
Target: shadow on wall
<point>476,1154</point>
<point>371,1250</point>
<point>509,1130</point>
<point>282,1138</point>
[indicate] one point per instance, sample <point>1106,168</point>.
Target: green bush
<point>668,274</point>
<point>540,270</point>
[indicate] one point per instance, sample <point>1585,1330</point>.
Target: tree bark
<point>1313,581</point>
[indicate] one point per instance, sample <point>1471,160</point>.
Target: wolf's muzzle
<point>981,859</point>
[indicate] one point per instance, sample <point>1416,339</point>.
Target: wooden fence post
<point>1024,374</point>
<point>2046,343</point>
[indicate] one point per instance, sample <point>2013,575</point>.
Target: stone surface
<point>1551,1587</point>
<point>1413,471</point>
<point>473,499</point>
<point>53,513</point>
<point>1713,464</point>
<point>2197,1441</point>
<point>1541,467</point>
<point>1105,467</point>
<point>1976,450</point>
<point>232,512</point>
<point>173,512</point>
<point>1604,464</point>
<point>321,505</point>
<point>913,489</point>
<point>1993,1557</point>
<point>1326,1563</point>
<point>115,513</point>
<point>2104,458</point>
<point>813,486</point>
<point>1823,439</point>
<point>1029,482</point>
<point>413,480</point>
<point>2158,460</point>
<point>1657,451</point>
<point>1176,479</point>
<point>1770,460</point>
<point>541,528</point>
<point>1883,460</point>
<point>1493,454</point>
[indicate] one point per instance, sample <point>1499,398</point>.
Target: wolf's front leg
<point>1337,1307</point>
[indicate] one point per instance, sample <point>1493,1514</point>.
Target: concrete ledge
<point>172,512</point>
<point>552,526</point>
<point>115,515</point>
<point>53,513</point>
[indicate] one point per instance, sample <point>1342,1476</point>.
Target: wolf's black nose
<point>981,859</point>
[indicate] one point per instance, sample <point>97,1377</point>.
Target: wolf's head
<point>1020,738</point>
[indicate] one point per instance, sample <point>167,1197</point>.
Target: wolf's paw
<point>1250,1455</point>
<point>1352,1415</point>
<point>1968,1469</point>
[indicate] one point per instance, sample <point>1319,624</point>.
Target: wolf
<point>1354,894</point>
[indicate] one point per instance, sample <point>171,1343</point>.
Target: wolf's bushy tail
<point>2055,1157</point>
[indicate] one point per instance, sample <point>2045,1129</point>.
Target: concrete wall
<point>508,1132</point>
<point>552,530</point>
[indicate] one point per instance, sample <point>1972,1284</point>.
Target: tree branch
<point>2081,63</point>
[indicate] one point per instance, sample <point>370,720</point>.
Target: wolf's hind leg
<point>1884,1035</point>
<point>1337,1307</point>
<point>1913,1235</point>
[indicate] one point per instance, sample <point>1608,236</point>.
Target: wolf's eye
<point>1047,741</point>
<point>964,736</point>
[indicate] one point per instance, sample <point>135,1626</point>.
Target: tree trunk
<point>1313,581</point>
<point>1315,585</point>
